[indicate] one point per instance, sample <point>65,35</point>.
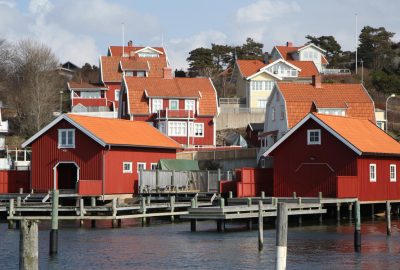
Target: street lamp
<point>386,110</point>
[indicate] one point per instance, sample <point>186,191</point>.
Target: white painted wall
<point>304,55</point>
<point>283,70</point>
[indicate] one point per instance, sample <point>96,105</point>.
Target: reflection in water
<point>173,246</point>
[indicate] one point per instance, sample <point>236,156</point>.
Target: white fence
<point>187,181</point>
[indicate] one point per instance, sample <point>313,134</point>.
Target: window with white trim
<point>141,166</point>
<point>157,104</point>
<point>148,54</point>
<point>262,103</point>
<point>129,73</point>
<point>116,94</point>
<point>161,127</point>
<point>90,94</point>
<point>66,138</point>
<point>153,166</point>
<point>140,74</point>
<point>176,128</point>
<point>174,104</point>
<point>190,105</point>
<point>393,175</point>
<point>372,172</point>
<point>314,136</point>
<point>126,167</point>
<point>198,130</point>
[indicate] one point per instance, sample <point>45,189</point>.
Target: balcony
<point>175,114</point>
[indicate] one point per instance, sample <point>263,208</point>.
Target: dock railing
<point>183,181</point>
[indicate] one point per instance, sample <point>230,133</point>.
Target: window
<point>282,112</point>
<point>174,104</point>
<point>314,136</point>
<point>190,105</point>
<point>161,127</point>
<point>153,166</point>
<point>148,54</point>
<point>393,177</point>
<point>273,114</point>
<point>140,74</point>
<point>177,129</point>
<point>66,138</point>
<point>262,103</point>
<point>157,105</point>
<point>372,172</point>
<point>141,166</point>
<point>129,73</point>
<point>90,94</point>
<point>116,94</point>
<point>262,85</point>
<point>126,167</point>
<point>198,130</point>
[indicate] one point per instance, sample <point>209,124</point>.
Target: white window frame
<point>66,131</point>
<point>128,73</point>
<point>177,128</point>
<point>140,74</point>
<point>127,170</point>
<point>372,172</point>
<point>157,104</point>
<point>177,104</point>
<point>195,128</point>
<point>309,142</point>
<point>190,105</point>
<point>393,174</point>
<point>138,166</point>
<point>153,166</point>
<point>116,94</point>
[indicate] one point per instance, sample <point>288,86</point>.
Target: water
<point>173,246</point>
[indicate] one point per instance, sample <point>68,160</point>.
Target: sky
<point>81,30</point>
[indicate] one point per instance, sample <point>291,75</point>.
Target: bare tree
<point>34,86</point>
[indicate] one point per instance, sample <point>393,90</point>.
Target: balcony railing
<point>232,101</point>
<point>337,71</point>
<point>175,114</point>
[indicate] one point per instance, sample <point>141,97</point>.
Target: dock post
<point>338,212</point>
<point>357,231</point>
<point>157,180</point>
<point>230,194</point>
<point>350,211</point>
<point>372,211</point>
<point>11,214</point>
<point>260,226</point>
<point>18,222</point>
<point>172,206</point>
<point>388,221</point>
<point>249,222</point>
<point>281,236</point>
<point>81,212</point>
<point>53,247</point>
<point>294,195</point>
<point>114,213</point>
<point>143,210</point>
<point>21,190</point>
<point>93,204</point>
<point>28,245</point>
<point>262,194</point>
<point>193,222</point>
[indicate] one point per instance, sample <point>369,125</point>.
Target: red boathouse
<point>95,156</point>
<point>340,156</point>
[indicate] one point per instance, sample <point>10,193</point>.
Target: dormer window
<point>129,73</point>
<point>313,136</point>
<point>66,138</point>
<point>140,74</point>
<point>148,54</point>
<point>174,104</point>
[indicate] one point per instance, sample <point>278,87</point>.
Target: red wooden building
<point>89,97</point>
<point>95,156</point>
<point>339,156</point>
<point>183,108</point>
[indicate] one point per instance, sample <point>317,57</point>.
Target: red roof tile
<point>308,68</point>
<point>197,88</point>
<point>128,64</point>
<point>362,133</point>
<point>86,85</point>
<point>249,67</point>
<point>302,98</point>
<point>124,132</point>
<point>286,52</point>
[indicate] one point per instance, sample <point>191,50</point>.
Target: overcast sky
<point>81,30</point>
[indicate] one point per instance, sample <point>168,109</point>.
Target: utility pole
<point>356,43</point>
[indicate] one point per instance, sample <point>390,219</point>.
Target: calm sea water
<point>173,246</point>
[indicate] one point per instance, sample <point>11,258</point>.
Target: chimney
<point>167,73</point>
<point>266,58</point>
<point>316,81</point>
<point>289,44</point>
<point>130,43</point>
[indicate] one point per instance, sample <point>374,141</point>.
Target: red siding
<point>46,154</point>
<point>89,101</point>
<point>119,182</point>
<point>252,181</point>
<point>11,181</point>
<point>90,187</point>
<point>347,187</point>
<point>382,189</point>
<point>110,93</point>
<point>307,169</point>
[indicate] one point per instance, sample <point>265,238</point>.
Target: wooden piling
<point>372,211</point>
<point>357,231</point>
<point>262,194</point>
<point>350,211</point>
<point>230,194</point>
<point>193,222</point>
<point>18,222</point>
<point>114,213</point>
<point>81,212</point>
<point>53,245</point>
<point>28,245</point>
<point>157,180</point>
<point>281,236</point>
<point>11,212</point>
<point>143,210</point>
<point>388,219</point>
<point>294,195</point>
<point>172,206</point>
<point>260,226</point>
<point>249,221</point>
<point>338,212</point>
<point>93,204</point>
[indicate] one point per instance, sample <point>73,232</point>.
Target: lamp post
<point>61,99</point>
<point>386,110</point>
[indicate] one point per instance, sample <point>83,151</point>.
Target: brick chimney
<point>130,43</point>
<point>289,44</point>
<point>316,81</point>
<point>167,73</point>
